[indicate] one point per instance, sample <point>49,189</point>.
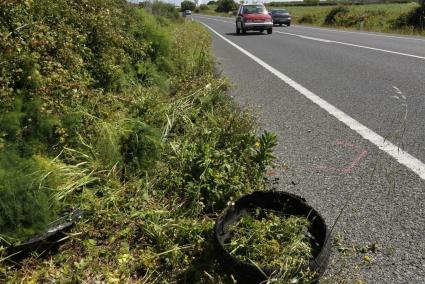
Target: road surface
<point>349,111</point>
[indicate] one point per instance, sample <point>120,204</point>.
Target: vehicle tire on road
<point>280,25</point>
<point>288,24</point>
<point>243,30</point>
<point>238,30</point>
<point>269,31</point>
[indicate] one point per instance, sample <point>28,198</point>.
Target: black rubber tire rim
<point>283,202</point>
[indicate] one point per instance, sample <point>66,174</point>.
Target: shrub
<point>225,6</point>
<point>411,19</point>
<point>187,5</point>
<point>211,2</point>
<point>162,9</point>
<point>332,17</point>
<point>203,7</point>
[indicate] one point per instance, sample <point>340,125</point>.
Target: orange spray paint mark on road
<point>361,153</point>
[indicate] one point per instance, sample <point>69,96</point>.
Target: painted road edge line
<point>352,44</point>
<point>358,33</point>
<point>401,156</point>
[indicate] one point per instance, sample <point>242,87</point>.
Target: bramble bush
<point>411,19</point>
<point>334,14</point>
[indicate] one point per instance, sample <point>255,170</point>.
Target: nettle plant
<point>219,157</point>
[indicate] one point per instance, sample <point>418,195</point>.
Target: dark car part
<point>49,239</point>
<point>282,202</point>
<point>281,17</point>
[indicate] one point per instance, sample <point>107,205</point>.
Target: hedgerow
<point>108,108</point>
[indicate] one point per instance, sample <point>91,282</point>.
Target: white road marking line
<point>397,153</point>
<point>338,42</point>
<point>358,33</point>
<point>355,45</point>
<point>314,38</point>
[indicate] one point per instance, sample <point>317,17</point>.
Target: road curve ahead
<point>349,111</point>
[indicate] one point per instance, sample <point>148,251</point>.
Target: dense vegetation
<point>111,109</point>
<point>226,6</point>
<point>187,5</point>
<point>333,2</point>
<point>403,18</point>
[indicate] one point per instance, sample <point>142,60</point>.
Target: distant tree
<point>187,5</point>
<point>225,6</point>
<point>203,7</point>
<point>211,3</point>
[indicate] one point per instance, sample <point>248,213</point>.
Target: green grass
<point>377,17</point>
<point>391,10</point>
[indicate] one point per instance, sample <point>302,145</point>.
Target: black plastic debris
<point>284,203</point>
<point>49,240</point>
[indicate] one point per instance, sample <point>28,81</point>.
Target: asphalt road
<point>330,96</point>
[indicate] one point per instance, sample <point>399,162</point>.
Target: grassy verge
<point>377,17</point>
<point>110,109</point>
<point>400,18</point>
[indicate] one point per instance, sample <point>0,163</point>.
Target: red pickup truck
<point>253,17</point>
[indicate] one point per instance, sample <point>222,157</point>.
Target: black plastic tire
<point>288,24</point>
<point>269,31</point>
<point>285,203</point>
